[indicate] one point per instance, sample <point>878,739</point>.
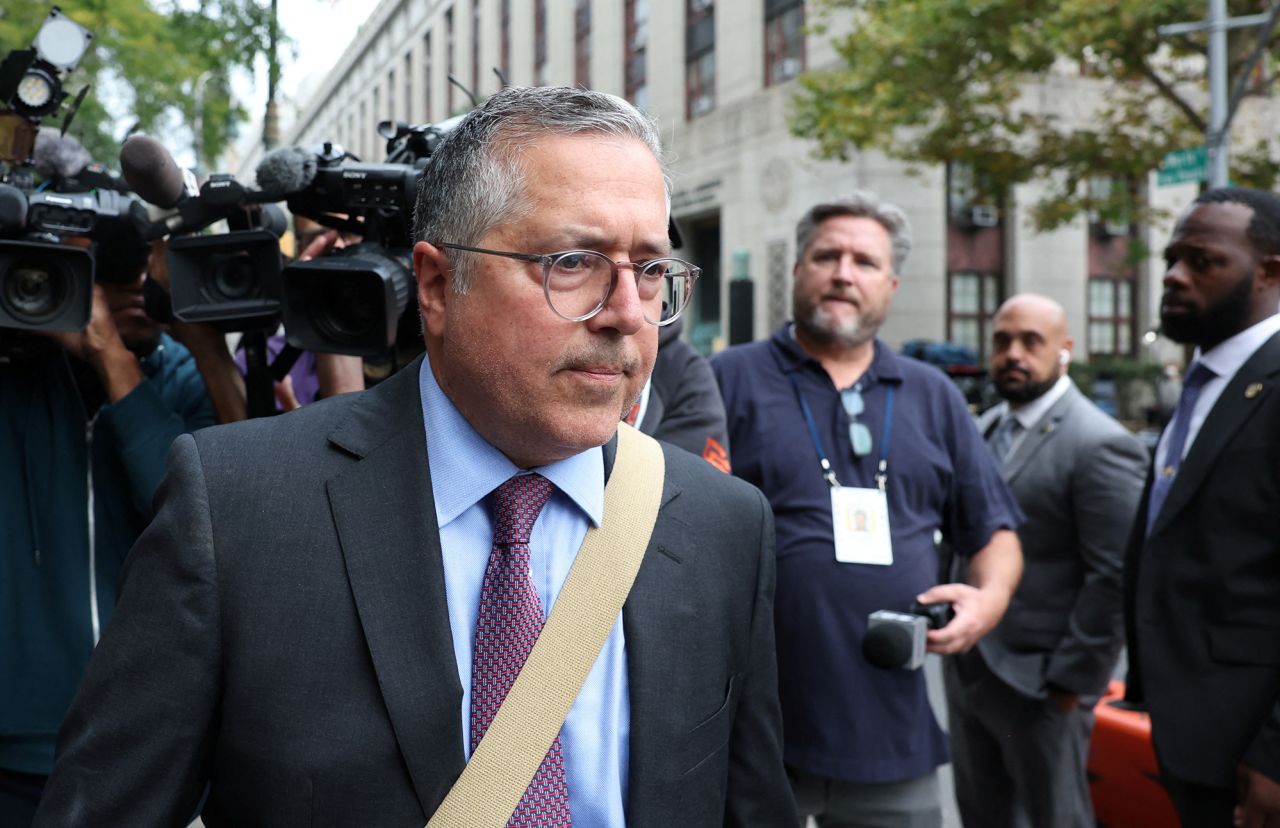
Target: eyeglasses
<point>859,434</point>
<point>578,283</point>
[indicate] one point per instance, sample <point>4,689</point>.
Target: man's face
<point>536,386</point>
<point>1028,342</point>
<point>844,282</point>
<point>140,333</point>
<point>1209,283</point>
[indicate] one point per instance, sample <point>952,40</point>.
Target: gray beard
<point>818,326</point>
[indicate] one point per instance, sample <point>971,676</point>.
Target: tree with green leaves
<point>980,83</point>
<point>152,63</point>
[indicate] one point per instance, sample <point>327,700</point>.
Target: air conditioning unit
<point>702,105</point>
<point>980,215</point>
<point>1113,228</point>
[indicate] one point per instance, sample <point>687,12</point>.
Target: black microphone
<point>285,171</point>
<point>896,640</point>
<point>151,171</point>
<point>13,208</point>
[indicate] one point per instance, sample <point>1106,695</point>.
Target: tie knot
<point>1197,375</point>
<point>516,504</point>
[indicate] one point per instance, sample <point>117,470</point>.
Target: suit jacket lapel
<point>1041,433</point>
<point>1225,420</point>
<point>383,509</point>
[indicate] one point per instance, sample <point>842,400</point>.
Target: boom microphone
<point>151,171</point>
<point>58,156</point>
<point>285,171</point>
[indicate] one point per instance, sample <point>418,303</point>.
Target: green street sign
<point>1183,166</point>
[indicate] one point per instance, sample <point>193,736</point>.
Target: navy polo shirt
<point>842,717</point>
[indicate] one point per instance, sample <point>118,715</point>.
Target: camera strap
<point>507,757</point>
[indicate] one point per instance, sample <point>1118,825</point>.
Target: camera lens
<point>233,277</point>
<point>343,313</point>
<point>32,293</point>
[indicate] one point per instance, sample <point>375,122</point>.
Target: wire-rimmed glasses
<point>859,434</point>
<point>578,283</point>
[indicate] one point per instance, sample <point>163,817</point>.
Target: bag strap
<point>512,749</point>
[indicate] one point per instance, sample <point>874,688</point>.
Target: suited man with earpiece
<point>1021,701</point>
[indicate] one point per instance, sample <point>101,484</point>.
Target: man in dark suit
<point>1021,701</point>
<point>297,626</point>
<point>1202,575</point>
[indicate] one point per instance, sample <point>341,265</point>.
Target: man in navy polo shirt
<point>864,456</point>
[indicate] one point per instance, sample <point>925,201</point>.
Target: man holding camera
<point>1021,701</point>
<point>828,422</point>
<point>84,429</point>
<point>330,605</point>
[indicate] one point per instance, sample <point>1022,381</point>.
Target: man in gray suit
<point>1021,701</point>
<point>296,628</point>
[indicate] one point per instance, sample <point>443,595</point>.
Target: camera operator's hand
<point>994,572</point>
<point>1257,799</point>
<point>337,373</point>
<point>101,345</point>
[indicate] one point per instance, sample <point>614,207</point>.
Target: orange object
<point>1124,780</point>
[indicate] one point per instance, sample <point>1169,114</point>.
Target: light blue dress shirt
<point>464,470</point>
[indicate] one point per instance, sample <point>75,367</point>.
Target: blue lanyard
<point>828,473</point>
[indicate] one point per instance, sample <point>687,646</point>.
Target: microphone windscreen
<point>58,156</point>
<point>273,218</point>
<point>887,646</point>
<point>285,171</point>
<point>151,171</point>
<point>13,208</point>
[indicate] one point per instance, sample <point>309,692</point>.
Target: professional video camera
<point>348,302</point>
<point>44,284</point>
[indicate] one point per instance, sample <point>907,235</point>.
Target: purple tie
<point>1195,379</point>
<point>507,625</point>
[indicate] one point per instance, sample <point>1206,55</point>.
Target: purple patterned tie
<point>1196,377</point>
<point>507,625</point>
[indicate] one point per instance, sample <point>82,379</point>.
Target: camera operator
<point>84,430</point>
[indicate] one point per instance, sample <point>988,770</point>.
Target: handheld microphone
<point>151,171</point>
<point>896,640</point>
<point>13,208</point>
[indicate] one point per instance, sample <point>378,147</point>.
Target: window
<point>972,299</point>
<point>540,42</point>
<point>700,57</point>
<point>635,46</point>
<point>475,48</point>
<point>410,111</point>
<point>391,95</point>
<point>582,44</point>
<point>448,60</point>
<point>426,77</point>
<point>783,40</point>
<point>504,45</point>
<point>1110,316</point>
<point>363,125</point>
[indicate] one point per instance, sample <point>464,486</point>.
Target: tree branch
<point>1171,95</point>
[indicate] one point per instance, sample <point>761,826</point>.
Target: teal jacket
<point>75,493</point>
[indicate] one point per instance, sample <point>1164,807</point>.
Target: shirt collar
<point>1225,358</point>
<point>1031,413</point>
<point>885,364</point>
<point>465,468</point>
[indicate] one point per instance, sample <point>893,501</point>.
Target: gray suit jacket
<point>283,637</point>
<point>1077,474</point>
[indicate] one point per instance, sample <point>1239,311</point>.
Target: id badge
<point>860,518</point>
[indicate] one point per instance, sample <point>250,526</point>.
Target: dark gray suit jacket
<point>282,636</point>
<point>1077,476</point>
<point>1202,592</point>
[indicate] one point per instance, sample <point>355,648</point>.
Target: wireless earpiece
<point>1064,356</point>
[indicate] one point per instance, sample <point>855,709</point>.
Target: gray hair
<point>475,180</point>
<point>860,204</point>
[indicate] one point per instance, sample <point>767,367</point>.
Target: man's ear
<point>431,266</point>
<point>1269,269</point>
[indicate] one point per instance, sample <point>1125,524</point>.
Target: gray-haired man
<point>863,455</point>
<point>301,628</point>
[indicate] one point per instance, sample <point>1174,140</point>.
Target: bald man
<point>1021,702</point>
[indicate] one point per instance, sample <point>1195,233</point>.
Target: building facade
<point>717,76</point>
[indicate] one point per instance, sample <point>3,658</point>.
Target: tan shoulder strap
<point>503,764</point>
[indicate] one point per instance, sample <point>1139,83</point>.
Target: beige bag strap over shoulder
<point>509,754</point>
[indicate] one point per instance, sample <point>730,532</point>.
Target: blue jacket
<point>75,493</point>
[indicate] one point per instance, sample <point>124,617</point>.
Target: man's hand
<point>977,611</point>
<point>1064,699</point>
<point>100,345</point>
<point>1258,799</point>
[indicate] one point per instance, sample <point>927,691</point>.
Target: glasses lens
<point>665,286</point>
<point>852,400</point>
<point>577,283</point>
<point>860,436</point>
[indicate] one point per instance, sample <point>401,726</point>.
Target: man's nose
<point>623,310</point>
